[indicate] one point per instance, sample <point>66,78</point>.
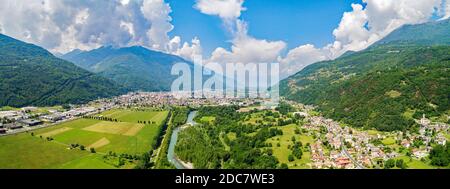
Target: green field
<point>124,137</point>
<point>208,119</point>
<point>388,141</point>
<point>283,152</point>
<point>258,117</point>
<point>415,164</point>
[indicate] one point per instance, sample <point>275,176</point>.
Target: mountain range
<point>30,75</point>
<point>386,86</point>
<point>136,68</point>
<point>404,76</point>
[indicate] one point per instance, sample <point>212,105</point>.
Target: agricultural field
<point>282,151</point>
<point>415,164</point>
<point>104,142</point>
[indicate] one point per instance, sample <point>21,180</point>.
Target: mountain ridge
<point>31,75</point>
<point>135,67</point>
<point>429,33</point>
<point>384,86</point>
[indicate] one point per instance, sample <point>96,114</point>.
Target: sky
<point>294,21</point>
<point>294,33</point>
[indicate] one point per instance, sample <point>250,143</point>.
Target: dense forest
<point>180,116</point>
<point>440,155</point>
<point>30,75</point>
<point>204,145</point>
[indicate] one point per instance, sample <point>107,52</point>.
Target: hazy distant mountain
<point>430,33</point>
<point>57,54</point>
<point>71,54</point>
<point>385,86</point>
<point>30,75</point>
<point>137,68</point>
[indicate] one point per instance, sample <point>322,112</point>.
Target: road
<point>344,149</point>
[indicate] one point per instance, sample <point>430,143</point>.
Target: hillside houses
<point>301,114</point>
<point>359,149</point>
<point>343,162</point>
<point>440,139</point>
<point>420,153</point>
<point>406,143</point>
<point>428,124</point>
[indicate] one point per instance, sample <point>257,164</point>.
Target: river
<point>173,141</point>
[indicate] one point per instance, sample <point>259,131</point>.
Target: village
<point>24,119</point>
<point>336,145</point>
<point>339,146</point>
<point>168,99</point>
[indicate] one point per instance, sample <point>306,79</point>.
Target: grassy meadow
<point>127,136</point>
<point>282,152</point>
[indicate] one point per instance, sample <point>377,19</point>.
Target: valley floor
<point>304,140</point>
<point>92,142</point>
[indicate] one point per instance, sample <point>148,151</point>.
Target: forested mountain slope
<point>385,86</point>
<point>30,75</point>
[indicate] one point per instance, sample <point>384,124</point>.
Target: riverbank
<point>171,157</point>
<point>186,165</point>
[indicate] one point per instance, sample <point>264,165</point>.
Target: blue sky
<point>294,33</point>
<point>296,22</point>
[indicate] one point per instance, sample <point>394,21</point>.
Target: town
<point>16,120</point>
<point>335,145</point>
<point>339,146</point>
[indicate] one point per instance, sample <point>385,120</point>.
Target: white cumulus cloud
<point>64,25</point>
<point>185,50</point>
<point>363,26</point>
<point>300,57</point>
<point>225,9</point>
<point>157,13</point>
<point>246,49</point>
